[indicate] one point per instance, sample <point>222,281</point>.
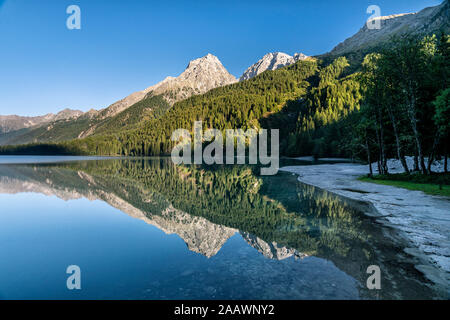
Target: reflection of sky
<point>40,236</point>
<point>123,257</point>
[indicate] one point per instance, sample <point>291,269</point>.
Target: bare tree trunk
<point>419,151</point>
<point>380,135</point>
<point>433,151</point>
<point>381,161</point>
<point>404,163</point>
<point>413,120</point>
<point>445,163</point>
<point>416,161</point>
<point>377,133</point>
<point>368,158</point>
<point>400,155</point>
<point>383,149</point>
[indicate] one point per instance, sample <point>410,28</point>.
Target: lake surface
<point>146,229</point>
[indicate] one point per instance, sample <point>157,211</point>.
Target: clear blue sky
<point>125,46</point>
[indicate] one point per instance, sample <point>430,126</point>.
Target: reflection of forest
<point>273,212</point>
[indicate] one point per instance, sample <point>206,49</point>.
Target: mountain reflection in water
<point>207,206</point>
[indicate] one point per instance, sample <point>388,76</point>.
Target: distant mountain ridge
<point>200,76</point>
<point>13,122</point>
<point>427,21</point>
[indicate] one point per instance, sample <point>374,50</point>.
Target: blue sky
<point>125,46</point>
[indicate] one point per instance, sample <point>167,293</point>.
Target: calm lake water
<point>145,229</point>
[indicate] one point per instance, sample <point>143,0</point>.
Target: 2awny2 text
<point>226,309</point>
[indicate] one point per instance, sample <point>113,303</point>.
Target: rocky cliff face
<point>271,61</point>
<point>271,250</point>
<point>199,234</point>
<point>14,122</point>
<point>200,76</point>
<point>427,21</point>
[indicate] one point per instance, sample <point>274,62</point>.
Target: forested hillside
<point>240,105</point>
<point>321,117</point>
<point>301,100</point>
<point>149,108</point>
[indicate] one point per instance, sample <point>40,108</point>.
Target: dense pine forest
<point>395,103</point>
<point>406,107</point>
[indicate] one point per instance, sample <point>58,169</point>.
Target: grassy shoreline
<point>435,184</point>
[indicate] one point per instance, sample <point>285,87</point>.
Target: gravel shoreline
<point>422,219</point>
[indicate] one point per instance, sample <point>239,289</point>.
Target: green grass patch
<point>434,184</point>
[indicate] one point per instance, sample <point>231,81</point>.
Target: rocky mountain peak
<point>205,60</point>
<point>271,61</point>
<point>300,56</point>
<point>200,76</point>
<point>204,74</point>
